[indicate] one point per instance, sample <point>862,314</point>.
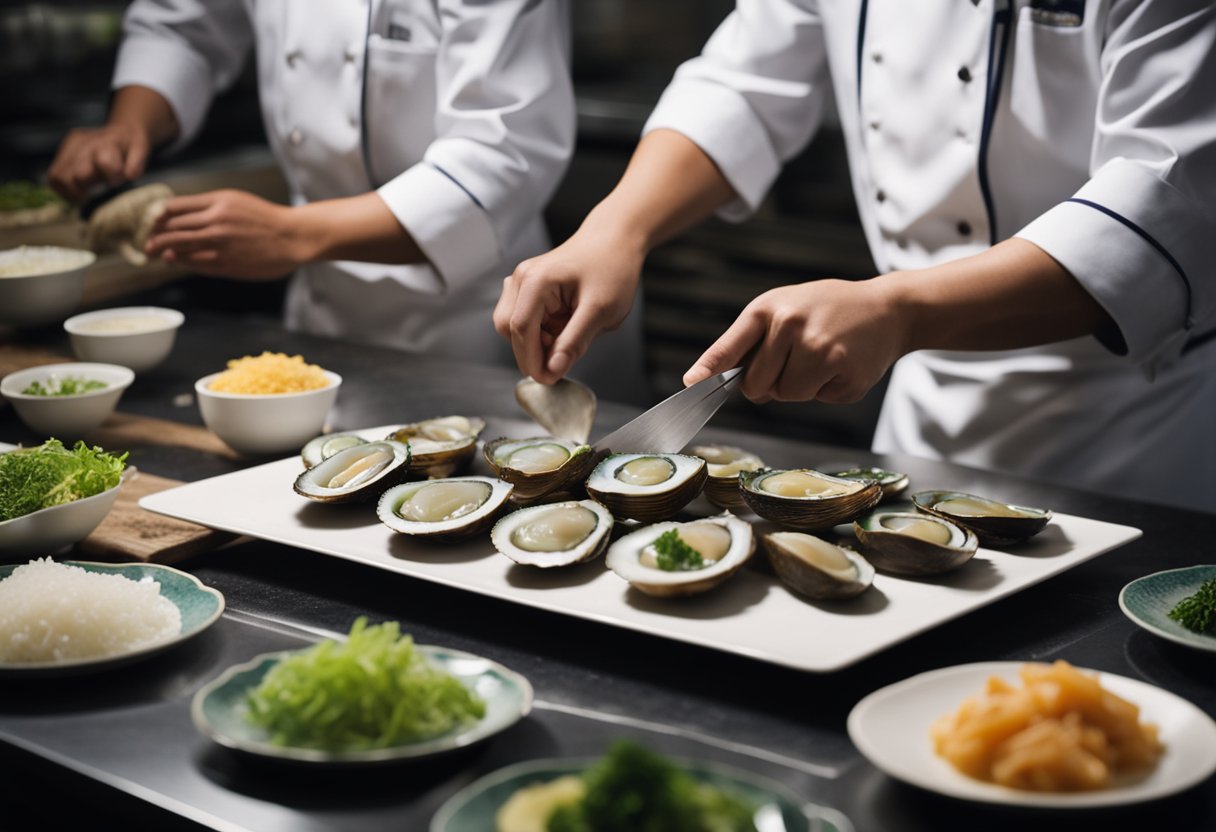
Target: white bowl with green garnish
<point>66,400</point>
<point>40,284</point>
<point>52,497</point>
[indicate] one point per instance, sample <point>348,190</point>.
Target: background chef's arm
<point>1138,235</point>
<point>505,132</point>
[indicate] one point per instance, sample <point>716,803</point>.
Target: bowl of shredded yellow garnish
<point>269,403</point>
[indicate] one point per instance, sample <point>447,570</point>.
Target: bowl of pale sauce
<point>41,284</point>
<point>138,337</point>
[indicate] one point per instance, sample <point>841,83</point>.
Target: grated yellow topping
<point>268,374</point>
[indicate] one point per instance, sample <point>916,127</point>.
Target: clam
<point>647,487</point>
<point>360,472</point>
<point>440,446</point>
<point>539,466</point>
<point>994,523</point>
<point>323,447</point>
<point>806,499</point>
<point>444,509</point>
<point>909,543</point>
<point>892,483</point>
<point>554,534</point>
<point>724,464</point>
<point>816,568</point>
<point>664,568</point>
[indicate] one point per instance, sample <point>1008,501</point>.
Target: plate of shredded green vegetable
<point>374,697</point>
<point>1177,604</point>
<point>52,496</point>
<point>629,789</point>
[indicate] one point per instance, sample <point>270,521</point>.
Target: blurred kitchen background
<point>56,60</point>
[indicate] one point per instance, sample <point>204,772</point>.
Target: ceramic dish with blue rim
<point>200,607</point>
<point>473,808</point>
<point>219,710</point>
<point>1147,601</point>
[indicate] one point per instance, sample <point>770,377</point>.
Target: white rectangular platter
<point>752,614</point>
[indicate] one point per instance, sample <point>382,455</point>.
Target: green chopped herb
<point>1197,612</point>
<point>51,475</point>
<point>69,386</point>
<point>635,790</point>
<point>676,555</point>
<point>23,194</point>
<point>374,690</point>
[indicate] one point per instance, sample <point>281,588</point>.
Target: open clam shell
<point>813,567</point>
<point>444,509</point>
<point>724,464</point>
<point>806,499</point>
<point>993,522</point>
<point>554,534</point>
<point>724,542</point>
<point>323,447</point>
<point>441,446</point>
<point>360,472</point>
<point>892,483</point>
<point>565,408</point>
<point>539,466</point>
<point>910,543</point>
<point>647,487</point>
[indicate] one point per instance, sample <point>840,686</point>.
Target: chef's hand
<point>553,306</point>
<point>830,340</point>
<point>229,233</point>
<point>140,119</point>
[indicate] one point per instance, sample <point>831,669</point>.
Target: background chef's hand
<point>553,306</point>
<point>830,340</point>
<point>107,155</point>
<point>229,233</point>
<point>140,119</point>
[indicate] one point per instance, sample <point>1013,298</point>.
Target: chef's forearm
<point>146,109</point>
<point>1011,296</point>
<point>358,228</point>
<point>669,186</point>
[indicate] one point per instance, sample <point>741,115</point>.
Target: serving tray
<point>751,615</point>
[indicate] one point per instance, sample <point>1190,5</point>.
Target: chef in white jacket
<point>420,140</point>
<point>1037,184</point>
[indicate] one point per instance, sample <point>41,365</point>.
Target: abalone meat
<point>813,567</point>
<point>539,466</point>
<point>806,499</point>
<point>444,509</point>
<point>360,472</point>
<point>442,446</point>
<point>554,534</point>
<point>994,523</point>
<point>724,464</point>
<point>910,543</point>
<point>647,487</point>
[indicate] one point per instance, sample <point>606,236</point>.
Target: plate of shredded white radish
<point>61,618</point>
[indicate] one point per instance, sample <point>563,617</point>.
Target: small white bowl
<point>66,417</point>
<point>40,284</point>
<point>266,424</point>
<point>139,337</point>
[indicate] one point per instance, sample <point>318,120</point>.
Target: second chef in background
<point>420,142</point>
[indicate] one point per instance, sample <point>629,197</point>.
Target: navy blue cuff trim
<point>457,183</point>
<point>1148,238</point>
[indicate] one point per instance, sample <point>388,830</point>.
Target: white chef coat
<point>1087,128</point>
<point>460,114</point>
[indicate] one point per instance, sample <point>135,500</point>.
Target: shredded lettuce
<point>50,475</point>
<point>372,691</point>
<point>632,789</point>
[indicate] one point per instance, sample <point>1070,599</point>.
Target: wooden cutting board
<point>130,533</point>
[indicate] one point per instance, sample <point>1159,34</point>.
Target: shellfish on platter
<point>805,499</point>
<point>722,545</point>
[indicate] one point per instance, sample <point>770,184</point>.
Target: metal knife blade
<point>672,423</point>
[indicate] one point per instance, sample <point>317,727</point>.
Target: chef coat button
<point>964,228</point>
<point>876,56</point>
<point>874,125</point>
<point>292,57</point>
<point>881,196</point>
<point>354,122</point>
<point>349,56</point>
<point>296,136</point>
<point>964,75</point>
